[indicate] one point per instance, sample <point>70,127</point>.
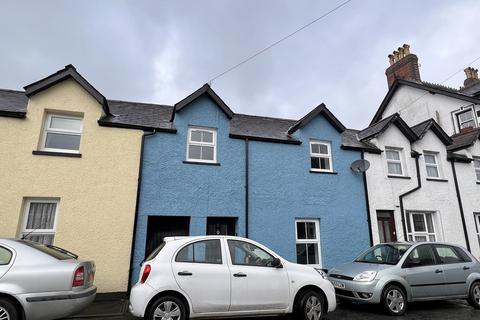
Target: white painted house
<point>424,179</point>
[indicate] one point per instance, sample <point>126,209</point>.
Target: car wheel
<point>8,311</point>
<point>474,296</point>
<point>312,306</point>
<point>168,308</point>
<point>394,300</point>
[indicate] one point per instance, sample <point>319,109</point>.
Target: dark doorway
<point>386,226</point>
<point>161,227</point>
<point>221,226</point>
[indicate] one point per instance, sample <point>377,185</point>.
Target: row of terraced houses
<point>109,179</point>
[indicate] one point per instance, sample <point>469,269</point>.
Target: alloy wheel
<point>313,308</point>
<point>167,310</point>
<point>476,293</point>
<point>395,300</point>
<point>4,314</point>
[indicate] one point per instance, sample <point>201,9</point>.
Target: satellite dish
<point>360,165</point>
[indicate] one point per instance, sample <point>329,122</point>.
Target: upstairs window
<point>476,163</point>
<point>431,164</point>
<point>394,161</point>
<point>320,156</point>
<point>62,133</point>
<point>202,145</point>
<point>466,119</point>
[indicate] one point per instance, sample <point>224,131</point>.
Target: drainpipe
<point>365,187</point>
<point>415,155</point>
<point>460,204</point>
<point>139,185</point>
<point>246,188</point>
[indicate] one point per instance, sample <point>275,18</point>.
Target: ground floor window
<point>39,220</point>
<point>308,242</point>
<point>421,226</point>
<point>476,215</point>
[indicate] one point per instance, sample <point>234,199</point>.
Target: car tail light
<point>146,273</point>
<point>79,277</point>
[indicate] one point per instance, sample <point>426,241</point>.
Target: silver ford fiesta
<point>40,282</point>
<point>396,273</point>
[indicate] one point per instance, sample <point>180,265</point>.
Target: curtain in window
<point>41,216</point>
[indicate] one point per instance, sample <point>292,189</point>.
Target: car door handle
<point>438,271</point>
<point>185,273</point>
<point>239,275</point>
<point>466,268</point>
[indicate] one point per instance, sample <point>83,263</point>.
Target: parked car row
<point>224,276</point>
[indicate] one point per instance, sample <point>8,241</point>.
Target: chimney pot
<point>406,49</point>
<point>472,77</point>
<point>391,59</point>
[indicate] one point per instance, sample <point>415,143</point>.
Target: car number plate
<point>339,285</point>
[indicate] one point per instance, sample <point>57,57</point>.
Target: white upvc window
<point>431,164</point>
<point>476,164</point>
<point>39,220</point>
<point>61,133</point>
<point>321,156</point>
<point>308,241</point>
<point>466,119</point>
<point>421,226</point>
<point>202,145</point>
<point>394,161</point>
<point>476,216</point>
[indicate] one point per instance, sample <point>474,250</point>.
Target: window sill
<point>56,154</point>
<point>202,163</point>
<point>398,177</point>
<point>438,180</point>
<point>324,172</point>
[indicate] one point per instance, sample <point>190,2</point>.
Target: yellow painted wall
<point>97,191</point>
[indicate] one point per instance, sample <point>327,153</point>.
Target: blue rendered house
<point>285,183</point>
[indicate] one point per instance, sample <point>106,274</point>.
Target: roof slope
<point>13,103</point>
<point>382,125</point>
<point>261,128</point>
<point>422,128</point>
<point>350,141</point>
<point>464,140</point>
<point>321,109</point>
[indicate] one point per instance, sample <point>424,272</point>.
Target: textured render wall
<point>173,188</point>
<point>470,192</point>
<point>282,189</point>
<point>97,192</point>
<point>433,196</point>
<point>424,108</point>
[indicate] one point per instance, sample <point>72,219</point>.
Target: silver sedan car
<point>42,282</point>
<point>396,273</point>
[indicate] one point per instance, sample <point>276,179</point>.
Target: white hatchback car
<point>222,276</point>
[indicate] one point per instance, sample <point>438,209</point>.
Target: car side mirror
<point>276,263</point>
<point>412,263</point>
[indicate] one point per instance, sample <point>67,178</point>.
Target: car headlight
<point>322,273</point>
<point>365,276</point>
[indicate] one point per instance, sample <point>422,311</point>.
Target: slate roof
<point>138,115</point>
<point>261,128</point>
<point>422,128</point>
<point>464,140</point>
<point>350,141</point>
<point>472,90</point>
<point>321,109</point>
<point>382,125</point>
<point>13,103</point>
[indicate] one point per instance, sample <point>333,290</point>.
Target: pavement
<point>434,310</point>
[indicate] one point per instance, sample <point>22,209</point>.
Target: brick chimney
<point>472,77</point>
<point>403,65</point>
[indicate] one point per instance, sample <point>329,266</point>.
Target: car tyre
<point>312,306</point>
<point>8,311</point>
<point>474,295</point>
<point>394,300</point>
<point>168,308</point>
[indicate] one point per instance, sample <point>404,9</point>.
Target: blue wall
<point>281,187</point>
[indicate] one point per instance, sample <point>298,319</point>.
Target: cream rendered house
<point>70,167</point>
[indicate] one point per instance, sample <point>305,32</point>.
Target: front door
<point>256,285</point>
<point>423,273</point>
<point>160,227</point>
<point>203,274</point>
<point>386,226</point>
<point>221,226</point>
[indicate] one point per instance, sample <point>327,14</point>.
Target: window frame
<point>476,160</point>
<point>399,161</point>
<point>315,241</point>
<point>26,209</point>
<point>476,216</point>
<point>193,246</point>
<point>202,144</point>
<point>436,165</point>
<point>321,155</point>
<point>411,234</point>
<point>459,123</point>
<point>47,129</point>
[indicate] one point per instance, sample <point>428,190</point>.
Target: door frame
<point>392,222</point>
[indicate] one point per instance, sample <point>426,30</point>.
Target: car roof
<point>176,238</point>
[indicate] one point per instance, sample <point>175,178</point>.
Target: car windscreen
<point>155,252</point>
<point>384,254</point>
<point>53,251</point>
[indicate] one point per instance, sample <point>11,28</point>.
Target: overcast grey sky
<point>161,51</point>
